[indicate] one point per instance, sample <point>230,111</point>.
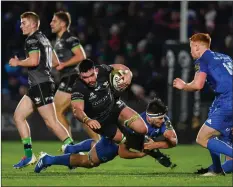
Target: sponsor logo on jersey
<point>209,121</point>
<point>92,96</point>
<point>197,67</point>
<point>37,100</point>
<point>106,84</point>
<point>32,41</point>
<point>97,88</point>
<point>62,85</point>
<point>49,98</point>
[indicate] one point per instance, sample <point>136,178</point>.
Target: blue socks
<point>216,167</point>
<point>227,166</point>
<point>82,146</point>
<point>216,145</point>
<point>58,160</point>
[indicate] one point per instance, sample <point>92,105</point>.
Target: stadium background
<point>142,35</point>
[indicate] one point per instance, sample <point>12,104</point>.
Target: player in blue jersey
<point>160,135</point>
<point>158,124</point>
<point>216,69</point>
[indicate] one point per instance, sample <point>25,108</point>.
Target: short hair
<point>201,37</point>
<point>85,65</point>
<point>64,16</point>
<point>33,16</point>
<point>157,106</point>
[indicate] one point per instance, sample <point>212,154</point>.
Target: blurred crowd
<point>130,33</point>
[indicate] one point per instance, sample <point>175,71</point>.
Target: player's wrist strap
<point>85,119</point>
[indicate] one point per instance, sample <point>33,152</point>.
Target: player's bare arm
<point>169,142</point>
<point>55,59</point>
<point>78,111</point>
<point>31,61</point>
<point>197,83</point>
<point>123,152</point>
<point>79,55</point>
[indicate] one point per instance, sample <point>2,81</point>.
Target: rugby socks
<point>227,166</point>
<point>68,141</point>
<point>216,167</point>
<point>82,146</point>
<point>27,142</point>
<point>58,160</point>
<point>216,145</point>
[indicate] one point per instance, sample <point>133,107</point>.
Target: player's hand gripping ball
<point>115,80</point>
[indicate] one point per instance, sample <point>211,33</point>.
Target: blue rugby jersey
<point>154,132</point>
<point>218,68</point>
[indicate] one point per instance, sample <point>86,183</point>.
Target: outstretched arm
<point>169,142</point>
<point>197,83</point>
<point>123,152</point>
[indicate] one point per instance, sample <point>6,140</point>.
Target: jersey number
<point>49,54</point>
<point>229,67</point>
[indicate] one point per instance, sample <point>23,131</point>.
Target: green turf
<point>119,172</point>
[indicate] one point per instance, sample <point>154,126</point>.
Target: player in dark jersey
<point>70,52</point>
<point>95,105</point>
<point>40,58</point>
<point>216,69</point>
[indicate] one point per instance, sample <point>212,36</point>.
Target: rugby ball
<point>115,79</point>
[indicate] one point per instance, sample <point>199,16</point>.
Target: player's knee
<point>17,118</point>
<point>201,141</point>
<point>59,110</point>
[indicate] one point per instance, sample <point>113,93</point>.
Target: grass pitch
<point>119,172</point>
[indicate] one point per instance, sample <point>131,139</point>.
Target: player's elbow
<point>35,63</point>
<point>173,142</point>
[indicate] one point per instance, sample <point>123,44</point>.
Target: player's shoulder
<point>69,38</point>
<point>32,39</point>
<point>104,67</point>
<point>79,85</point>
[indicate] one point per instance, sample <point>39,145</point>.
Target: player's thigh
<point>24,108</point>
<point>43,100</point>
<point>62,100</point>
<point>206,132</point>
<point>48,113</point>
<point>105,150</point>
<point>132,119</point>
